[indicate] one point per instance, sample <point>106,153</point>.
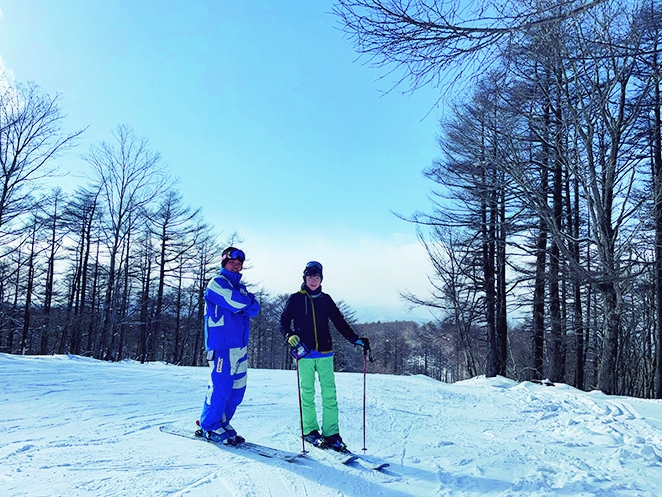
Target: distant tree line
<point>546,225</point>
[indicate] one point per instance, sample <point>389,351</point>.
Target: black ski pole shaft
<point>303,443</point>
<point>365,356</point>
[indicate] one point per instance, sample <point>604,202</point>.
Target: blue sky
<point>264,113</point>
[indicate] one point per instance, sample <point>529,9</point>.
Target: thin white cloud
<point>6,74</point>
<point>366,272</point>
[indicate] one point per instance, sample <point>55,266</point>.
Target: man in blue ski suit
<point>229,308</point>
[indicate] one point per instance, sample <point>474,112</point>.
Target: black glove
<point>363,342</point>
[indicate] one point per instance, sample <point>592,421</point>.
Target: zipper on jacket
<point>312,308</point>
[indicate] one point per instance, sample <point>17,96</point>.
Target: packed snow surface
<point>72,426</point>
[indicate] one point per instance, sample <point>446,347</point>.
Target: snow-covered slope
<point>72,426</point>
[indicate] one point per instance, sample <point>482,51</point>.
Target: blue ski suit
<point>229,308</point>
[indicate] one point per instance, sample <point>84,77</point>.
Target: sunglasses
<point>235,255</point>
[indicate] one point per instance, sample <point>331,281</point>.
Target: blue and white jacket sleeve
<point>252,309</point>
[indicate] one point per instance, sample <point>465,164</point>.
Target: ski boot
<point>335,442</point>
<point>314,438</point>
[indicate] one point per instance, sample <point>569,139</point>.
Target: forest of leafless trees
<point>544,235</point>
<point>546,223</point>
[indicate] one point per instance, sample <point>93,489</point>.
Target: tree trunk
<point>28,292</point>
<point>657,189</point>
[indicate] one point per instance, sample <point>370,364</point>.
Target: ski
<point>361,460</point>
<point>344,457</point>
<point>253,448</point>
<point>348,457</point>
<point>368,464</point>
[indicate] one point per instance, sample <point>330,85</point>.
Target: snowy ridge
<point>75,426</point>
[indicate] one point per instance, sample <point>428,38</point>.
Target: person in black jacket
<point>311,309</point>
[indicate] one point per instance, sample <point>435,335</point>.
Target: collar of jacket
<point>234,278</point>
<point>312,294</point>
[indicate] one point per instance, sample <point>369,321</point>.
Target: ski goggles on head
<point>313,268</point>
<point>235,255</point>
<point>314,265</point>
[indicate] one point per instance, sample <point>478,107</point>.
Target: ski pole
<point>365,357</point>
<point>303,444</point>
<point>297,353</point>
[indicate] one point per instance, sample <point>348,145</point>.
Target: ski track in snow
<point>75,427</point>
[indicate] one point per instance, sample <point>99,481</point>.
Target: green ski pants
<point>324,368</point>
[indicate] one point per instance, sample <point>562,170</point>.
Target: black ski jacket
<point>311,320</point>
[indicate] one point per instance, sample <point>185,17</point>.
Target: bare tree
<point>650,26</point>
<point>129,176</point>
<point>31,137</point>
<point>457,296</point>
<point>80,215</point>
<point>475,202</point>
<point>175,229</point>
<point>30,280</point>
<point>54,235</point>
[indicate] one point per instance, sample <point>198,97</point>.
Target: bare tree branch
<point>433,40</point>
